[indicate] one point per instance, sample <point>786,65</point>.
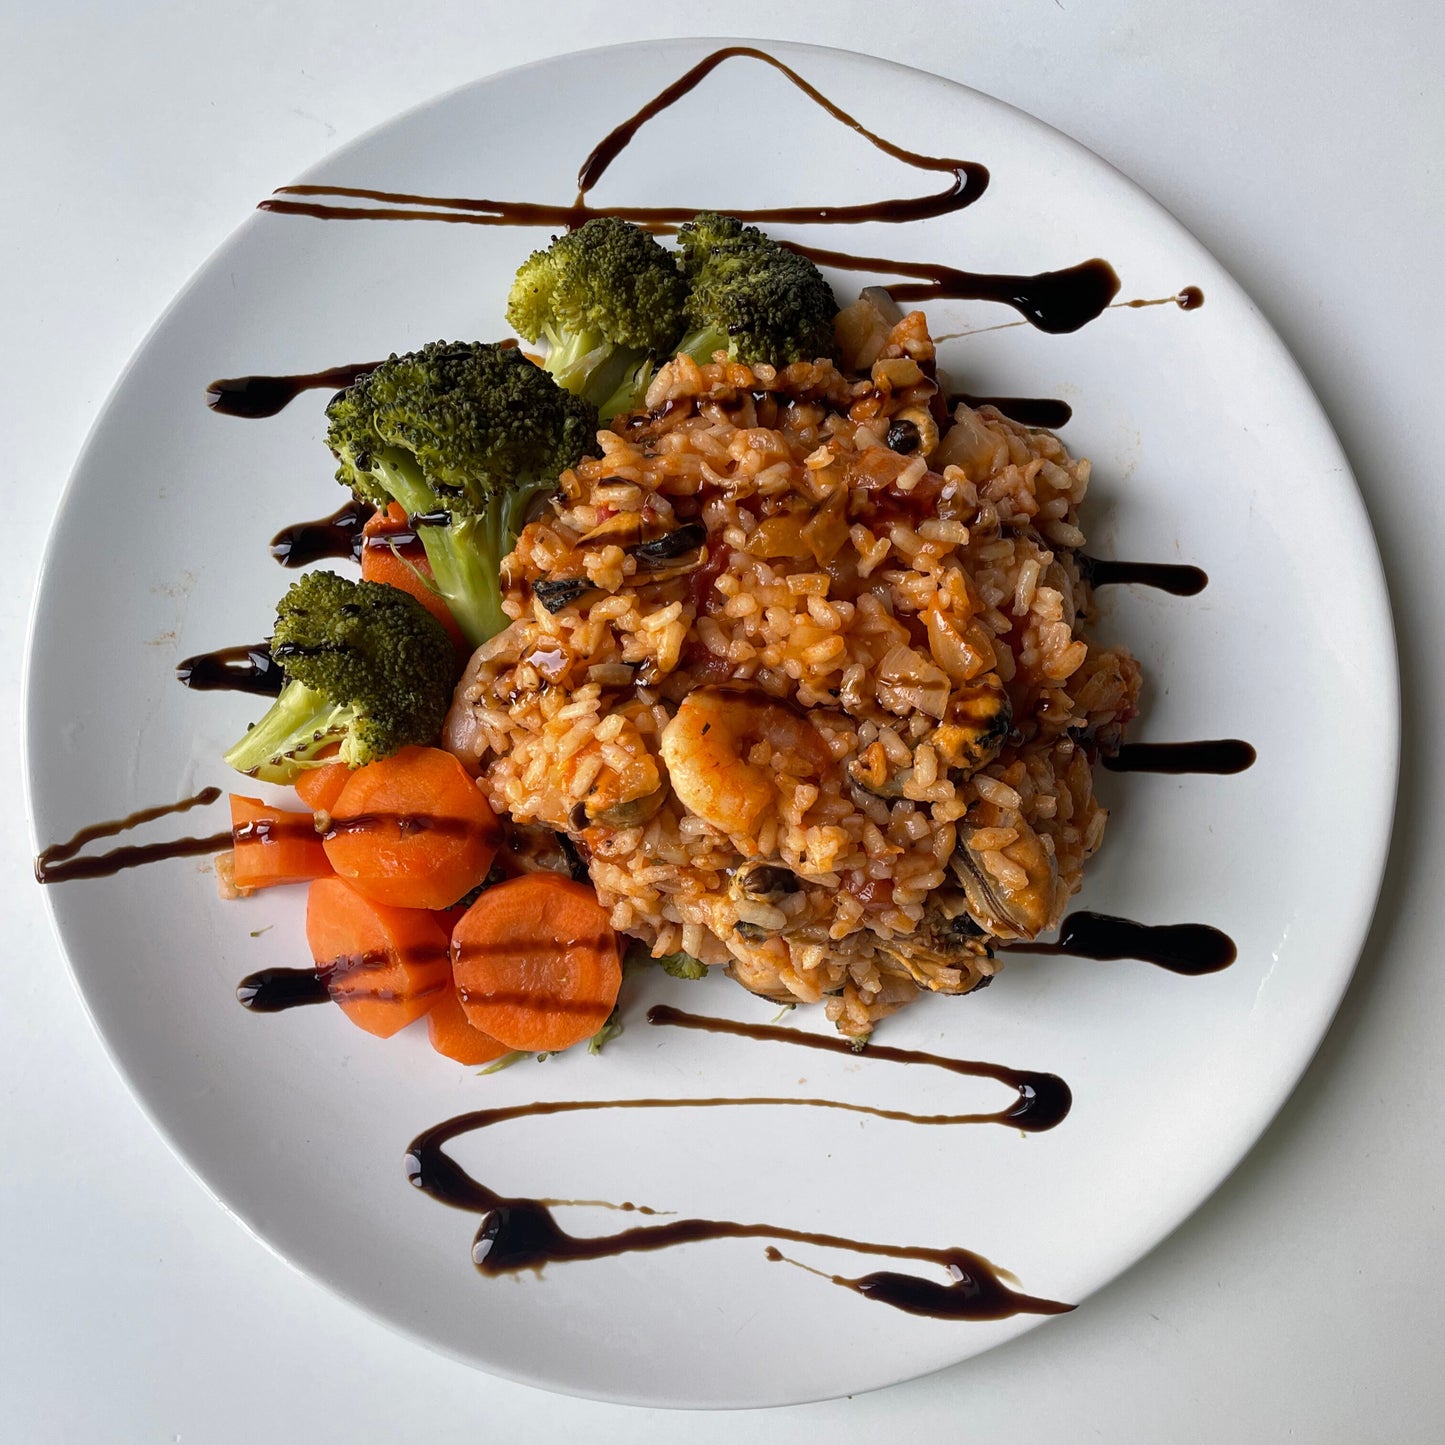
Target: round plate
<point>1208,447</point>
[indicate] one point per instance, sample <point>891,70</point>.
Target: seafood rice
<point>799,665</point>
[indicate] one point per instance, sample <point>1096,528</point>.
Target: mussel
<point>1020,913</point>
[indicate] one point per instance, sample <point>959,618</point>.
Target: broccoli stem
<point>297,726</point>
<point>466,559</point>
<point>402,478</point>
<point>466,554</point>
<point>571,359</point>
<point>630,392</point>
<point>700,345</point>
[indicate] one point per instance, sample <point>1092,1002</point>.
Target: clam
<point>622,529</point>
<point>756,890</point>
<point>632,813</point>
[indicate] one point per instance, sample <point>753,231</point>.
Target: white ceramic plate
<point>1208,448</point>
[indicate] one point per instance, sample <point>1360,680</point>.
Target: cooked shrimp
<point>724,749</point>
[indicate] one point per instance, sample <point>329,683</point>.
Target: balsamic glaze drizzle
<point>105,865</point>
<point>1043,1100</point>
<point>1045,411</point>
<point>1051,301</point>
<point>258,396</point>
<point>246,668</point>
<point>517,1233</point>
<point>968,179</point>
<point>1173,577</point>
<point>338,535</point>
<point>1188,948</point>
<point>89,834</point>
<point>274,989</point>
<point>1214,755</point>
<point>1054,301</point>
<point>58,863</point>
<point>976,1292</point>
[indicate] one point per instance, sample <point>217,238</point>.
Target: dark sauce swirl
<point>274,989</point>
<point>106,865</point>
<point>1174,577</point>
<point>975,1290</point>
<point>516,1233</point>
<point>347,978</point>
<point>969,179</point>
<point>1050,412</point>
<point>1054,301</point>
<point>1051,301</point>
<point>338,536</point>
<point>1043,1100</point>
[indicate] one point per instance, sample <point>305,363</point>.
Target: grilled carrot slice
<point>412,830</point>
<point>453,1035</point>
<point>536,962</point>
<point>384,966</point>
<point>271,845</point>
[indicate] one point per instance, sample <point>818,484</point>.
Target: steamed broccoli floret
<point>607,298</point>
<point>679,965</point>
<point>751,297</point>
<point>682,965</point>
<point>366,666</point>
<point>464,434</point>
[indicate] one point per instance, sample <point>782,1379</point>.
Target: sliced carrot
<point>412,830</point>
<point>320,787</point>
<point>453,1035</point>
<point>398,565</point>
<point>273,846</point>
<point>384,966</point>
<point>536,962</point>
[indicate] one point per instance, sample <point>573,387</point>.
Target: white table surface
<point>1302,142</point>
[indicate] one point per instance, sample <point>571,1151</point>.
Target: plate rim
<point>1371,578</point>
